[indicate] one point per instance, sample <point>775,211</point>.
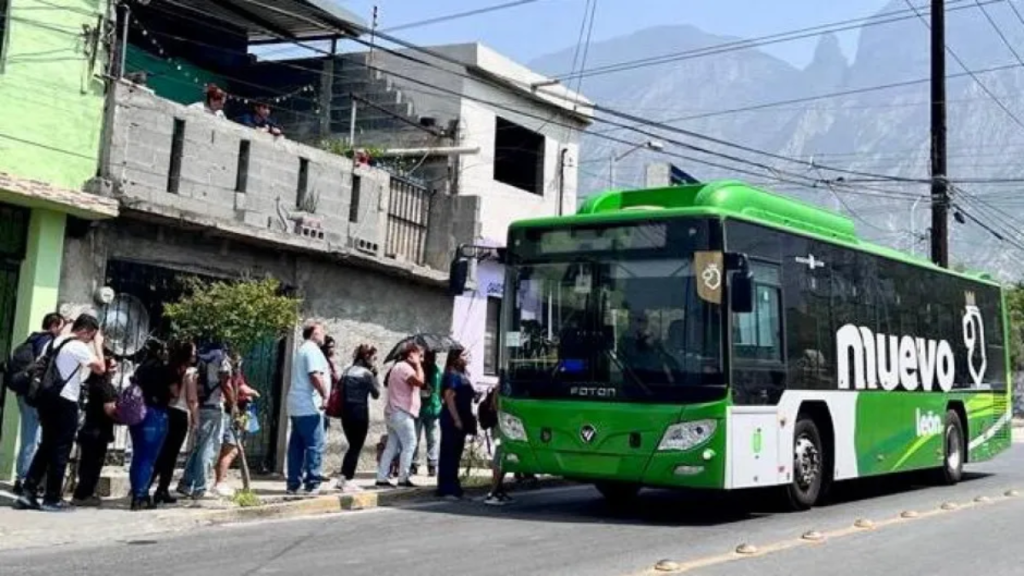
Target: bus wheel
<point>808,466</point>
<point>953,439</point>
<point>618,492</point>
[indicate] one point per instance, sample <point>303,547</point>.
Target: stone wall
<point>356,305</point>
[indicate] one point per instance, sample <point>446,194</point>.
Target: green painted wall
<point>169,82</point>
<point>51,106</point>
<point>38,284</point>
<point>51,118</point>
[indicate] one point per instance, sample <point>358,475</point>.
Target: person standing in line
<point>214,390</point>
<point>160,388</point>
<point>28,439</point>
<point>183,411</point>
<point>307,399</point>
<point>75,354</point>
<point>427,425</point>
<point>96,434</point>
<point>403,407</point>
<point>457,422</point>
<point>241,394</point>
<point>358,382</point>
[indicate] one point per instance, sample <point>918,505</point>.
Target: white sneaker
<point>224,491</point>
<point>353,488</point>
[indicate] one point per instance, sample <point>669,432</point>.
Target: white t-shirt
<point>72,363</point>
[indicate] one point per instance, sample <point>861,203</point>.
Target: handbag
<point>336,398</point>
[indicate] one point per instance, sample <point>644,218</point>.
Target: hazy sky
<point>534,29</point>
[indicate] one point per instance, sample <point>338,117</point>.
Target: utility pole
<point>940,188</point>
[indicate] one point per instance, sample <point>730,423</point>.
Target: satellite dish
<point>125,325</point>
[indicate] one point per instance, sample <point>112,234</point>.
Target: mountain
<point>875,131</point>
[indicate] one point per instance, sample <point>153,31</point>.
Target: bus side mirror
<point>741,285</point>
<point>458,276</point>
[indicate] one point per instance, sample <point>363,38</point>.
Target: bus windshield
<point>616,325</point>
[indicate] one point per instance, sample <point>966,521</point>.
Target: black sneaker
<point>164,497</point>
<point>27,502</point>
<point>59,506</point>
<point>18,488</point>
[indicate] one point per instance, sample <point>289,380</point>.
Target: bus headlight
<point>686,435</point>
<point>511,427</point>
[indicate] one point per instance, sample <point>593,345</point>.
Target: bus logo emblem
<point>587,433</point>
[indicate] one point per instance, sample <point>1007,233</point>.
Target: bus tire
<point>954,450</point>
<point>809,474</point>
<point>618,493</point>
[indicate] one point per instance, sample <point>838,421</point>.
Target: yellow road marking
<point>756,551</point>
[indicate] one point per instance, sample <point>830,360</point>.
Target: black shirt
<point>99,391</point>
<point>156,381</point>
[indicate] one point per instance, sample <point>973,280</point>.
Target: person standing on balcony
<point>261,120</point>
<point>214,102</point>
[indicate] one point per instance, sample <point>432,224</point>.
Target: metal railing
<point>408,220</point>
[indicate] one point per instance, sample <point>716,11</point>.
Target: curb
<point>336,503</point>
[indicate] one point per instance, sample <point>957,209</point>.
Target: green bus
<point>719,336</point>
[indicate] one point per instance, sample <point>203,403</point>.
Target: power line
<point>460,15</point>
<point>742,161</point>
<point>839,94</point>
<point>973,76</point>
<point>746,44</point>
<point>999,31</point>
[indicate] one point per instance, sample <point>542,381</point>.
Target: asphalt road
<point>570,531</point>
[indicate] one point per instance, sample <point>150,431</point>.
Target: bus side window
<point>758,335</point>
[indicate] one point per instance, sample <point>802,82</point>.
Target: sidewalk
<point>113,522</point>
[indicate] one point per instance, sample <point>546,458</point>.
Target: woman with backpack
<point>159,386</point>
<point>183,410</point>
<point>457,422</point>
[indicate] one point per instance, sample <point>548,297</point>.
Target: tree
<point>1015,310</point>
<point>239,314</point>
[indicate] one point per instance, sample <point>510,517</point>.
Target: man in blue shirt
<point>260,119</point>
<point>307,398</point>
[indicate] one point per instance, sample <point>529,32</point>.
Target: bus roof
<point>731,199</point>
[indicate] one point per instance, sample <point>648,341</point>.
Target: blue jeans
<point>306,451</point>
<point>147,440</point>
<point>207,446</point>
<point>401,440</point>
<point>29,438</point>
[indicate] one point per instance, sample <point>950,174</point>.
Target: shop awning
<point>35,194</point>
<point>270,21</point>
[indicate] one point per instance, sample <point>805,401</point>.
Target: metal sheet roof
<point>271,20</point>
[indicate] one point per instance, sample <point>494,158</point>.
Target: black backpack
<point>487,413</point>
<point>18,370</point>
<point>45,378</point>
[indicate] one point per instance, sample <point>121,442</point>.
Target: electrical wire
<point>460,15</point>
<point>973,76</point>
